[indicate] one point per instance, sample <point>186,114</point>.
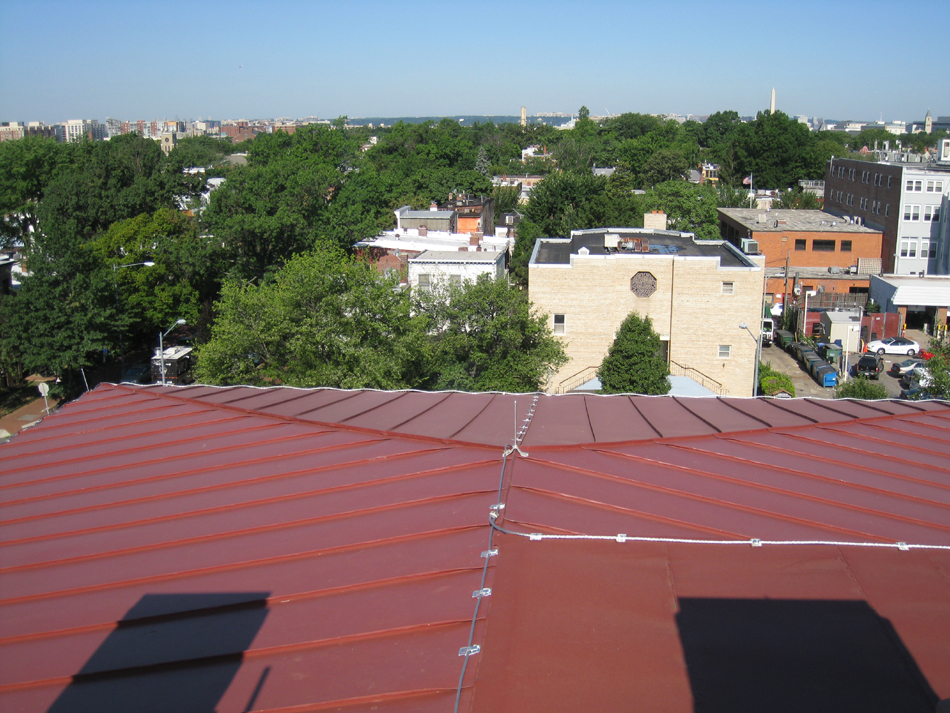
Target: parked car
<point>894,345</point>
<point>924,354</point>
<point>918,376</point>
<point>899,368</point>
<point>915,394</point>
<point>869,365</point>
<point>137,374</point>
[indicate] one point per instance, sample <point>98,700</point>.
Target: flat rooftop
<point>457,256</point>
<point>779,220</point>
<point>558,251</point>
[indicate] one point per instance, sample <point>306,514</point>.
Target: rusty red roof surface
<point>238,549</point>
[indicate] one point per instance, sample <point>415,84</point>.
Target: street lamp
<point>115,282</point>
<point>758,355</point>
<point>161,346</point>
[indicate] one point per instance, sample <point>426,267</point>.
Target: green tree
<point>860,388</point>
<point>485,337</point>
<point>481,162</point>
<point>776,150</point>
<point>182,283</point>
<point>528,234</point>
<point>324,320</point>
<point>798,200</point>
<point>665,165</point>
<point>634,363</point>
<point>563,202</point>
<point>689,207</point>
<point>27,167</point>
<point>939,368</point>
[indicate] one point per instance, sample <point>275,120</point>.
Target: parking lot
<point>806,386</point>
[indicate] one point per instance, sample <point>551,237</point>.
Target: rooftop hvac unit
<point>750,246</point>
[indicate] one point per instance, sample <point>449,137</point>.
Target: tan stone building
<point>697,293</point>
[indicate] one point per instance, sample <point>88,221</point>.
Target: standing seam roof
<point>272,549</point>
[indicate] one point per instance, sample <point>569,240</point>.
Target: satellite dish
<point>798,291</point>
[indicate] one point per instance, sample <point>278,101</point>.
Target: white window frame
<point>562,324</point>
<point>911,212</point>
<point>725,351</point>
<point>728,288</point>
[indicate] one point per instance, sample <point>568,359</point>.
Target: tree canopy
<point>485,337</point>
<point>634,363</point>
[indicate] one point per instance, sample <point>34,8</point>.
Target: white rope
<point>903,546</point>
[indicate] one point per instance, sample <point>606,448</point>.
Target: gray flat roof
<point>558,251</point>
<point>793,220</point>
<point>457,256</point>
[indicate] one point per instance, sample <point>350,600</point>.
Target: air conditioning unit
<point>750,246</point>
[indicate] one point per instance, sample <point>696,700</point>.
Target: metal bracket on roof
<point>495,509</point>
<point>469,650</point>
<point>486,592</point>
<point>621,538</point>
<point>534,536</point>
<point>490,553</point>
<point>511,449</point>
<point>902,546</point>
<point>756,543</point>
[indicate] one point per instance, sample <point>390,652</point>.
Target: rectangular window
<point>559,324</point>
<point>455,279</point>
<point>845,246</point>
<point>915,186</point>
<point>887,210</point>
<point>799,244</point>
<point>933,249</point>
<point>725,351</point>
<point>424,280</point>
<point>924,248</point>
<point>889,181</point>
<point>904,249</point>
<point>912,251</point>
<point>934,186</point>
<point>911,212</point>
<point>928,213</point>
<point>823,246</point>
<point>728,288</point>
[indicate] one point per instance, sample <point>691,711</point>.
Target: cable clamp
<point>469,650</point>
<point>902,546</point>
<point>514,447</point>
<point>756,543</point>
<point>490,553</point>
<point>478,593</point>
<point>534,536</point>
<point>497,506</point>
<point>621,538</point>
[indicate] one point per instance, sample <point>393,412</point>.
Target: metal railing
<point>575,380</point>
<point>699,377</point>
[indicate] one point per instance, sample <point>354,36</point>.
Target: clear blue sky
<point>270,58</point>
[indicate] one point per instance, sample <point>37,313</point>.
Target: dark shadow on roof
<point>171,652</point>
<point>797,655</point>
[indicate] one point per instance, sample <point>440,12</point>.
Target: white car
<point>894,345</point>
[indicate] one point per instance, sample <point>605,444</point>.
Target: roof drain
<point>472,648</point>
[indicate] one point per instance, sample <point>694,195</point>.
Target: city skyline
<point>367,58</point>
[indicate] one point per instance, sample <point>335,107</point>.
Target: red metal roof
<point>283,549</point>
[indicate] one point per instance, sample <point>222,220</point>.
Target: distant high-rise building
<point>79,129</point>
<point>772,104</point>
<point>524,116</point>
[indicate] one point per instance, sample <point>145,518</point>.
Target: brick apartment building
<point>832,254</point>
<point>697,293</point>
<point>900,199</point>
